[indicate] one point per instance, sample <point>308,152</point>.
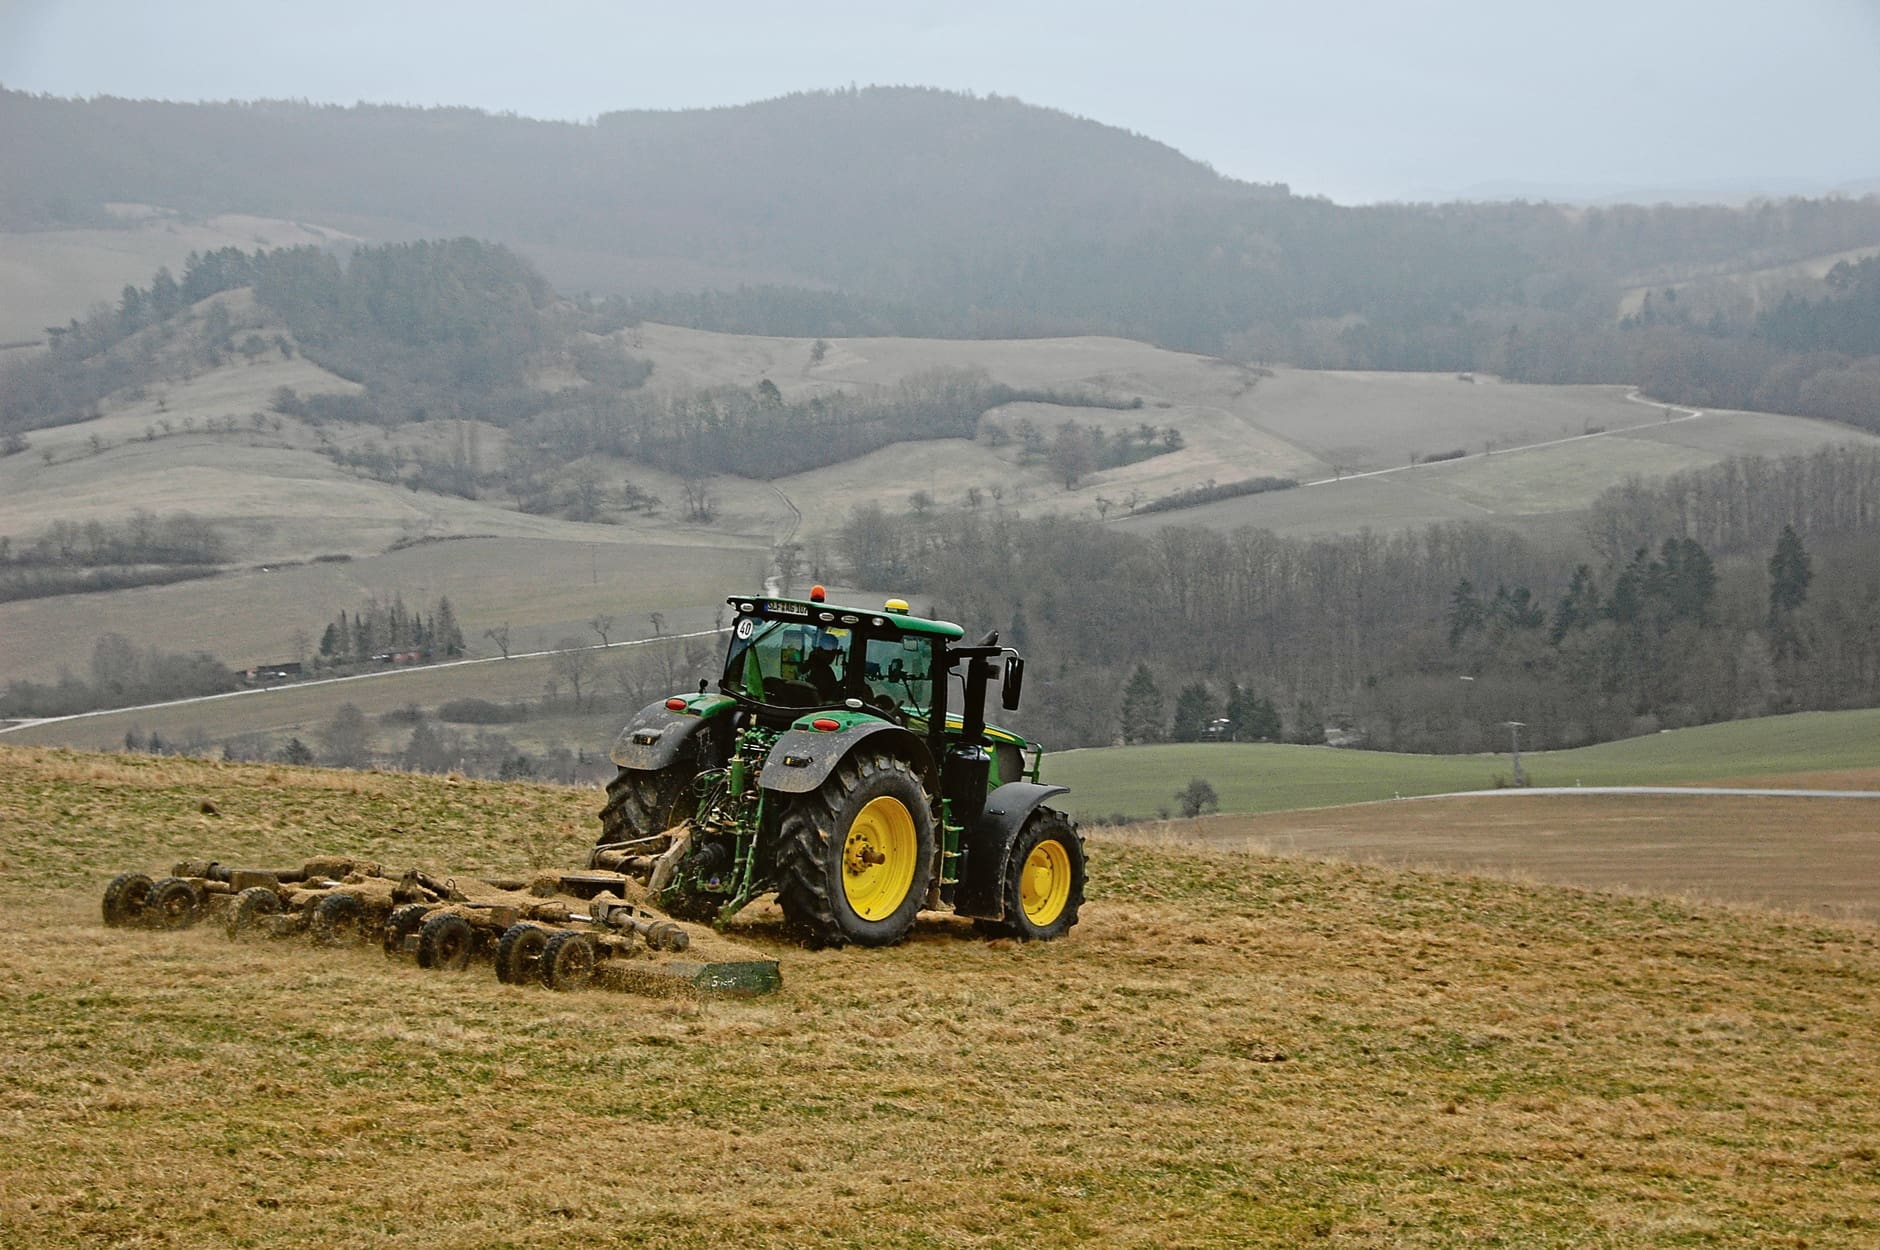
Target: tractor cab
<point>788,656</point>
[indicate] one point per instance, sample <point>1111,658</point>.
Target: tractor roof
<point>809,610</point>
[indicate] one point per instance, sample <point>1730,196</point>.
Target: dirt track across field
<point>1814,855</point>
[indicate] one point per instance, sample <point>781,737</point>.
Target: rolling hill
<point>286,502</point>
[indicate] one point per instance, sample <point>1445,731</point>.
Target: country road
<point>1632,396</point>
<point>381,675</point>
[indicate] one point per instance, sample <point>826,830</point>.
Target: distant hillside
<point>915,211</point>
<point>841,187</point>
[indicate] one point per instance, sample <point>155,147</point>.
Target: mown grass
<point>1230,1050</point>
<point>1251,777</point>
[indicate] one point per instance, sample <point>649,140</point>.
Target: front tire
<point>1044,880</point>
<point>857,854</point>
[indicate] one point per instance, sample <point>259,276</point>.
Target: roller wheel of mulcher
<point>641,804</point>
<point>246,911</point>
<point>567,961</point>
<point>857,854</point>
<point>1044,881</point>
<point>445,942</point>
<point>519,953</point>
<point>126,898</point>
<point>401,924</point>
<point>174,904</point>
<point>338,920</point>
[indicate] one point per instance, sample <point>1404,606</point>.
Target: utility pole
<point>1514,740</point>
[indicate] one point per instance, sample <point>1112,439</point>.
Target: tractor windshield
<point>799,664</point>
<point>788,663</point>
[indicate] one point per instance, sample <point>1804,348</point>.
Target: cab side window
<point>898,673</point>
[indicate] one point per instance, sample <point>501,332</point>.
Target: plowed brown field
<point>1820,855</point>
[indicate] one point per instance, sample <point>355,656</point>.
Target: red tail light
<point>676,703</point>
<point>825,724</point>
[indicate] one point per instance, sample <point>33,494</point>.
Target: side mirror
<point>1014,683</point>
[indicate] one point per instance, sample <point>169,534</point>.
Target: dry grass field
<point>1239,424</point>
<point>1538,488</point>
<point>303,709</point>
<point>1758,287</point>
<point>1363,421</point>
<point>47,277</point>
<point>545,588</point>
<point>1233,1049</point>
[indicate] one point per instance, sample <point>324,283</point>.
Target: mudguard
<point>653,738</point>
<point>802,759</point>
<point>989,846</point>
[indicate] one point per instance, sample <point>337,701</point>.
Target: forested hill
<point>915,211</point>
<point>820,187</point>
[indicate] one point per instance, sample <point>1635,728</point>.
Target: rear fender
<point>989,846</point>
<point>653,739</point>
<point>802,759</point>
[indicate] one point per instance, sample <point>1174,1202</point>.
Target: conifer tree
<point>1142,708</point>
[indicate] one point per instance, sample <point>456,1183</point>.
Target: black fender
<point>802,759</point>
<point>988,846</point>
<point>653,739</point>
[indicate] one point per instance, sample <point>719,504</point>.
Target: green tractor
<point>845,763</point>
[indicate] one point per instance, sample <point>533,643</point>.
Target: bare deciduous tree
<point>573,662</point>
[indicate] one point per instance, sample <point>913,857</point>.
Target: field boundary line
<point>1632,396</point>
<point>1714,791</point>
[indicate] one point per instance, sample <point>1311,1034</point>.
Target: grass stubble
<point>1231,1049</point>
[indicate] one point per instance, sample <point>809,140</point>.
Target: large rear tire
<point>857,854</point>
<point>643,804</point>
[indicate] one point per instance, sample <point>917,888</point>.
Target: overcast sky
<point>1358,101</point>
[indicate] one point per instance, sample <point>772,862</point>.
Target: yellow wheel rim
<point>1044,888</point>
<point>879,858</point>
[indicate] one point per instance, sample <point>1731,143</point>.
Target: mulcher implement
<point>562,930</point>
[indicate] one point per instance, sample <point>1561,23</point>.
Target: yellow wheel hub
<point>1044,886</point>
<point>879,858</point>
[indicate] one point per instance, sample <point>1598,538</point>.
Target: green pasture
<point>1250,777</point>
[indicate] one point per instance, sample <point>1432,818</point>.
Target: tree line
<point>122,675</point>
<point>757,432</point>
<point>379,628</point>
<point>1370,636</point>
<point>69,557</point>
